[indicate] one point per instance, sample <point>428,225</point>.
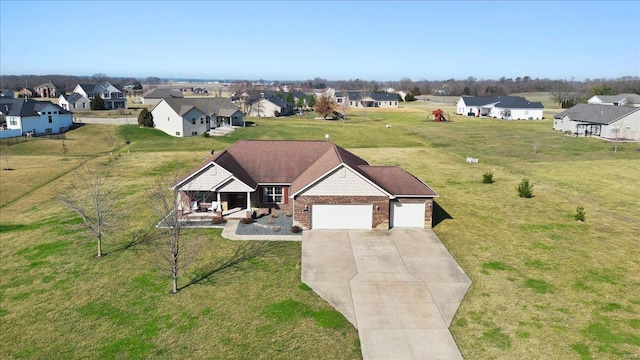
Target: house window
<point>396,103</point>
<point>178,133</point>
<point>49,113</point>
<point>50,119</point>
<point>13,122</point>
<point>201,120</point>
<point>74,105</point>
<point>193,121</point>
<point>194,133</point>
<point>55,112</point>
<point>84,105</point>
<point>48,131</point>
<point>273,194</point>
<point>339,100</point>
<point>168,119</point>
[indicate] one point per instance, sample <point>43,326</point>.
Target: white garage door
<point>348,216</point>
<point>407,214</point>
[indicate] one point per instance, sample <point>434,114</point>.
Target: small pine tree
<point>97,103</point>
<point>580,214</point>
<point>487,177</point>
<point>145,118</point>
<point>525,189</point>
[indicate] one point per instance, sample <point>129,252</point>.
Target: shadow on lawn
<point>439,214</point>
<point>244,252</point>
<point>137,238</point>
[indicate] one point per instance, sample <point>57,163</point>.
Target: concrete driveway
<point>399,288</point>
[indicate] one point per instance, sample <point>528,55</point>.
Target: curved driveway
<point>400,288</point>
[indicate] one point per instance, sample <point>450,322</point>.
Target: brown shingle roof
<point>300,163</point>
<point>397,181</point>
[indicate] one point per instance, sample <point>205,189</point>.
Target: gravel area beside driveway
<point>267,225</point>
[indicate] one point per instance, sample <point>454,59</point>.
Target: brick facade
<point>380,208</point>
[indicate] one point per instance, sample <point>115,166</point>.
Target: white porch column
<point>248,200</point>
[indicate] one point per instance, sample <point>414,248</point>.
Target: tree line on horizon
<point>563,91</point>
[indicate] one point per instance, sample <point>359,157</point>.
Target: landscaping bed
<point>275,224</point>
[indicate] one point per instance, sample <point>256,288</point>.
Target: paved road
<point>400,288</point>
<point>107,121</point>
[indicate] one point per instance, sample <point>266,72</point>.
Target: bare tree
<point>94,200</point>
<point>174,253</point>
<point>562,91</point>
<point>7,154</point>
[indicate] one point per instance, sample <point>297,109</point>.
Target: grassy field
<point>544,285</point>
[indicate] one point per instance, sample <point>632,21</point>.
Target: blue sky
<point>299,40</point>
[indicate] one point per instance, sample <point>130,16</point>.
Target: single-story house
<point>500,107</point>
<point>181,117</point>
<point>74,101</point>
<point>6,93</point>
<point>319,184</point>
<point>616,100</point>
<point>27,93</point>
<point>113,95</point>
<point>154,96</point>
<point>34,117</point>
<point>606,121</point>
<point>49,90</point>
<point>269,106</point>
<point>357,98</point>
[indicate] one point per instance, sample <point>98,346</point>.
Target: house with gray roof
<point>154,96</point>
<point>6,93</point>
<point>360,98</point>
<point>500,107</point>
<point>74,102</point>
<point>269,106</point>
<point>181,117</point>
<point>319,184</point>
<point>32,117</point>
<point>606,121</point>
<point>113,95</point>
<point>616,100</point>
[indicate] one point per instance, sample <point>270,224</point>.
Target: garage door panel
<point>407,214</point>
<point>341,216</point>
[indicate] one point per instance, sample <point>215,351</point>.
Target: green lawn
<point>544,285</point>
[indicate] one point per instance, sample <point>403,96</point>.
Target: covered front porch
<point>203,205</point>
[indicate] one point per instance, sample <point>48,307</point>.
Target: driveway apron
<point>400,288</point>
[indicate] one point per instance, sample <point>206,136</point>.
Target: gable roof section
<point>50,85</point>
<point>303,163</point>
<point>597,113</point>
<point>26,107</point>
<point>209,106</point>
<point>162,93</point>
<point>512,102</point>
<point>397,181</point>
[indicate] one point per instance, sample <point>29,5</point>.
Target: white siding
<point>167,120</point>
<point>207,180</point>
<point>520,114</point>
<point>629,128</point>
<point>343,181</point>
<point>40,124</point>
<point>235,186</point>
<point>201,124</point>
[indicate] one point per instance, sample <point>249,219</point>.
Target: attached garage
<point>342,216</point>
<point>405,214</point>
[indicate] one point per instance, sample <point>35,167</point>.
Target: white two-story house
<point>113,95</point>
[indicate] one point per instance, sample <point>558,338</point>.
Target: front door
<point>237,200</point>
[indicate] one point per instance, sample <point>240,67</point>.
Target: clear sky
<point>299,40</point>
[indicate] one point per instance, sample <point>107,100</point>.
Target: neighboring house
<point>6,93</point>
<point>500,107</point>
<point>616,100</point>
<point>271,106</point>
<point>113,95</point>
<point>74,101</point>
<point>27,93</point>
<point>319,184</point>
<point>358,98</point>
<point>181,117</point>
<point>34,117</point>
<point>154,96</point>
<point>200,91</point>
<point>49,90</point>
<point>606,121</point>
